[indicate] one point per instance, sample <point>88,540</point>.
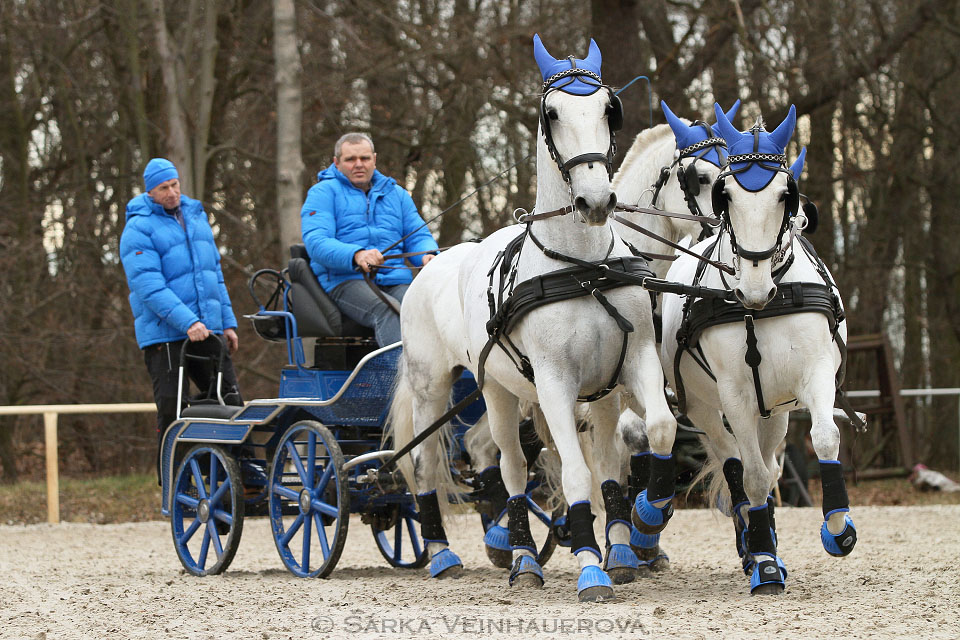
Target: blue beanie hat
<point>158,170</point>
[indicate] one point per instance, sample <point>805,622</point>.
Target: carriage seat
<point>317,314</point>
<point>218,411</point>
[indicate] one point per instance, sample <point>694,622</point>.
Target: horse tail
<point>400,429</point>
<point>711,475</point>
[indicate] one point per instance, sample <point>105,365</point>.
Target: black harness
<point>513,301</point>
<point>719,307</point>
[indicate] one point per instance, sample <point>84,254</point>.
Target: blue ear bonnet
<point>688,135</point>
<point>754,175</point>
<point>581,85</point>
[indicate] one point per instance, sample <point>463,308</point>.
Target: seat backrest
<point>317,315</point>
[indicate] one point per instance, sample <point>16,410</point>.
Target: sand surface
<point>125,581</point>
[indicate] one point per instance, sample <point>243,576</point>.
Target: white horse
<point>669,168</point>
<point>575,347</point>
<point>753,367</point>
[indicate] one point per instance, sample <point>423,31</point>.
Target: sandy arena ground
<point>125,581</point>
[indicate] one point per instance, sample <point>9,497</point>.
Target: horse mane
<point>651,149</point>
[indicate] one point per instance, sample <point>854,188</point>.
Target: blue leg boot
<point>594,585</point>
<point>621,564</point>
<point>525,572</point>
<point>648,551</point>
<point>445,564</point>
<point>496,542</point>
<point>841,544</point>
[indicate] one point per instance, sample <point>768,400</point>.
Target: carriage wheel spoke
<point>324,508</point>
<point>414,540</point>
<point>324,479</point>
<point>213,472</point>
<point>189,501</point>
<point>292,531</point>
<point>295,458</point>
<point>185,537</point>
<point>286,492</point>
<point>223,516</point>
<point>218,494</point>
<point>204,547</point>
<point>212,528</point>
<point>311,458</point>
<point>322,535</point>
<point>307,525</point>
<point>198,478</point>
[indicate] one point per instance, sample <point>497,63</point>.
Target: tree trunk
<point>289,113</point>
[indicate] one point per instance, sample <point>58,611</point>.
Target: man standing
<point>176,289</point>
<point>352,214</point>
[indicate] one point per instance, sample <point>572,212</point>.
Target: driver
<point>352,215</point>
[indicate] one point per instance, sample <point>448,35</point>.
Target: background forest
<point>248,97</point>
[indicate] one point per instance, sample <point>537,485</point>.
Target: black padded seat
<point>217,411</point>
<point>316,313</point>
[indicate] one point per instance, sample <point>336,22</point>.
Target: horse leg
<point>653,506</point>
<point>430,399</point>
<point>489,492</point>
<point>633,433</point>
<point>772,432</point>
<point>767,576</point>
<point>837,533</point>
<point>557,404</point>
<point>503,414</point>
<point>723,446</point>
<point>620,562</point>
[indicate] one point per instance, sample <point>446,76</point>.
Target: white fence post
<point>53,469</point>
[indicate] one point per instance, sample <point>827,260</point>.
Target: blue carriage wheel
<point>309,500</point>
<point>398,537</point>
<point>206,515</point>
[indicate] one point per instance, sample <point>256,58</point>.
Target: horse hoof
<point>621,564</point>
<point>525,572</point>
<point>647,518</point>
<point>497,545</point>
<point>841,544</point>
<point>596,594</point>
<point>527,581</point>
<point>500,558</point>
<point>643,571</point>
<point>773,589</point>
<point>594,585</point>
<point>452,573</point>
<point>654,558</point>
<point>622,575</point>
<point>767,577</point>
<point>445,565</point>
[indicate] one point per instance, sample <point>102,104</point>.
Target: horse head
<point>701,154</point>
<point>755,196</point>
<point>578,117</point>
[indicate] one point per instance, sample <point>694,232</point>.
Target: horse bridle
<point>614,121</point>
<point>689,179</point>
<point>721,204</point>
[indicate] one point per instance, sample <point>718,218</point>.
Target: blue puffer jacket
<point>174,277</point>
<point>338,219</point>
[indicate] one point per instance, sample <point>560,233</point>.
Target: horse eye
<point>704,180</point>
<point>552,114</point>
<point>783,197</point>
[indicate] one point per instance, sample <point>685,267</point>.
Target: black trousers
<point>163,365</point>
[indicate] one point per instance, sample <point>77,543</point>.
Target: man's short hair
<point>352,138</point>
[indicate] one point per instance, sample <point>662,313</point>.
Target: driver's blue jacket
<point>338,219</point>
<point>173,272</point>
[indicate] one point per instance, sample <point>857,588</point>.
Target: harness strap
<point>714,263</point>
<point>753,360</point>
<point>713,222</point>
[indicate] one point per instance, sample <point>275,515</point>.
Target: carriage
<point>312,456</point>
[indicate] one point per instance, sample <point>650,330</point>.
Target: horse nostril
<point>739,295</point>
<point>612,202</point>
<point>771,294</point>
<point>582,205</point>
